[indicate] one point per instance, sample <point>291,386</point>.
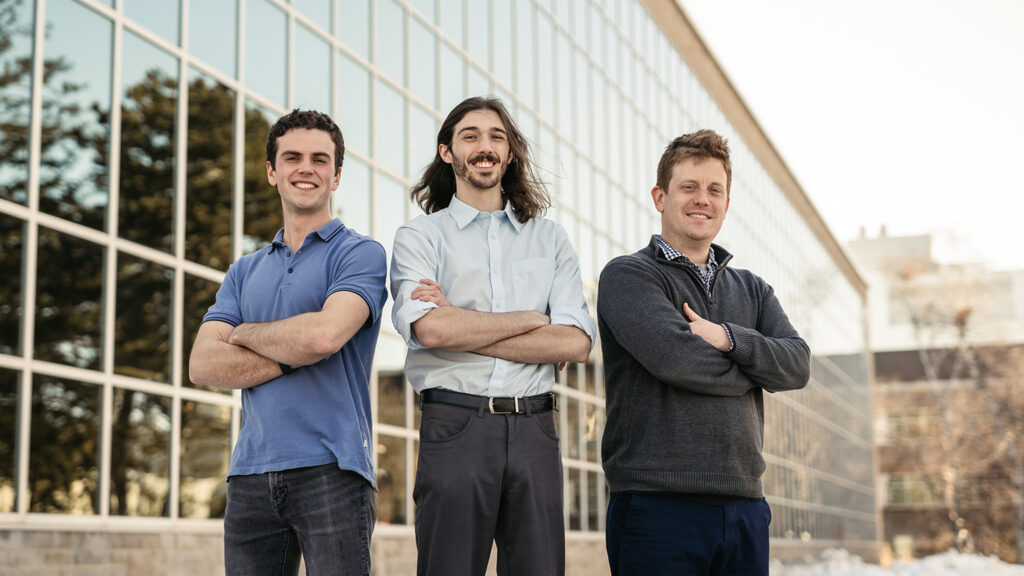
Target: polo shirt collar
<point>325,233</point>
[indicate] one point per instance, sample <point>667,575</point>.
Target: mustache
<point>485,156</point>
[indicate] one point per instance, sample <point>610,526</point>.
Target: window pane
<point>354,104</point>
<point>160,16</point>
<point>209,172</point>
<point>318,10</point>
<point>478,24</point>
<point>262,217</point>
<point>12,234</point>
<point>422,140</point>
<point>69,300</point>
<point>591,431</point>
<point>391,502</point>
<point>571,435</point>
<point>266,50</point>
<point>525,69</point>
<point>354,25</point>
<point>502,39</point>
<point>200,294</point>
<point>8,438</point>
<point>423,67</point>
<point>143,319</point>
<point>453,78</point>
<point>451,20</point>
<point>351,200</point>
<point>391,398</point>
<point>425,7</point>
<point>76,131</point>
<point>213,33</point>
<point>388,192</point>
<point>205,455</point>
<point>15,99</point>
<point>545,69</point>
<point>593,508</point>
<point>573,494</point>
<point>312,71</point>
<point>390,54</point>
<point>148,112</point>
<point>389,130</point>
<point>140,454</point>
<point>64,446</point>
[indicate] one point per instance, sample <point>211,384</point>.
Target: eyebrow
<point>477,129</point>
<point>297,153</point>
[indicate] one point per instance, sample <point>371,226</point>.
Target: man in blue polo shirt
<point>294,326</point>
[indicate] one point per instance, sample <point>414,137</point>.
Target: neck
<point>483,200</point>
<point>298,226</point>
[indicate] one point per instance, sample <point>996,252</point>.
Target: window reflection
<point>573,494</point>
<point>389,130</point>
<point>351,200</point>
<point>354,26</point>
<point>594,509</point>
<point>453,78</point>
<point>64,446</point>
<point>524,55</point>
<point>76,130</point>
<point>451,20</point>
<point>210,173</point>
<point>140,454</point>
<point>503,54</point>
<point>317,10</point>
<point>16,95</point>
<point>478,23</point>
<point>160,16</point>
<point>391,398</point>
<point>312,71</point>
<point>266,50</point>
<point>427,8</point>
<point>8,438</point>
<point>213,33</point>
<point>262,216</point>
<point>12,234</point>
<point>148,112</point>
<point>354,104</point>
<point>390,53</point>
<point>205,455</point>
<point>571,436</point>
<point>386,222</point>
<point>142,328</point>
<point>422,141</point>
<point>423,64</point>
<point>200,294</point>
<point>69,300</point>
<point>391,502</point>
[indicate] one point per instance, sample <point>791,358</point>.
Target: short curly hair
<point>699,145</point>
<point>309,119</point>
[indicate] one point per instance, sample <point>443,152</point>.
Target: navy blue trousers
<point>651,535</point>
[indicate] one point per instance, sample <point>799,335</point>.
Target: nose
<point>702,197</point>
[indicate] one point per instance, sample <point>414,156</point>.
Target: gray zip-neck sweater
<point>683,417</point>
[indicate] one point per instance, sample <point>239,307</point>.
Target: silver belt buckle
<point>490,406</point>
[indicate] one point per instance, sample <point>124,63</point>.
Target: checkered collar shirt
<point>705,273</point>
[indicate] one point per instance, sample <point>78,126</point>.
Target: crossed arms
<point>247,355</point>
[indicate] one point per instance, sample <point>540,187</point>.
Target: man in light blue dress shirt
<point>489,300</point>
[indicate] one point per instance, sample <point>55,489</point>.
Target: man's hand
<point>712,333</point>
<point>430,291</point>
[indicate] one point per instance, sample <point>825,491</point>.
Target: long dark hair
<point>520,184</point>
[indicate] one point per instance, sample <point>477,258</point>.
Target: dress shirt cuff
<point>404,317</point>
<point>578,318</point>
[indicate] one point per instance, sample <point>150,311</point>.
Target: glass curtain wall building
<point>132,174</point>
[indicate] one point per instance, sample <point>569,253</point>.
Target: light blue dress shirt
<point>489,262</point>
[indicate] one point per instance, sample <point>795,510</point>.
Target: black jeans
<point>486,478</point>
<point>323,513</point>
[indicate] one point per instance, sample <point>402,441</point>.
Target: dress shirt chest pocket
<point>531,280</point>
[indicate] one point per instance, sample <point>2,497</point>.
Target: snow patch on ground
<point>952,563</point>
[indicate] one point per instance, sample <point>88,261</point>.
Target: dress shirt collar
<point>464,213</point>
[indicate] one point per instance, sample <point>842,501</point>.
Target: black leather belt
<point>494,404</point>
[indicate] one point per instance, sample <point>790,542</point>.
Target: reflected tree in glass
<point>262,204</point>
<point>69,300</point>
<point>8,439</point>
<point>205,455</point>
<point>391,480</point>
<point>211,120</point>
<point>200,294</point>
<point>15,97</point>
<point>64,446</point>
<point>140,454</point>
<point>12,240</point>
<point>142,322</point>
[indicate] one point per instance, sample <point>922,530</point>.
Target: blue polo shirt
<point>320,413</point>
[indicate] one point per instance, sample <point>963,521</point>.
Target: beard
<point>461,167</point>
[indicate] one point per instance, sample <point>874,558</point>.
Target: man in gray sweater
<point>690,345</point>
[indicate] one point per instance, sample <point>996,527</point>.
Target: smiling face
<point>479,153</point>
<point>303,171</point>
<point>693,207</point>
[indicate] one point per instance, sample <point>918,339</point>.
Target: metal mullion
<point>237,190</point>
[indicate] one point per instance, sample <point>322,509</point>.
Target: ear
<point>445,153</point>
<point>511,158</point>
<point>271,175</point>
<point>658,195</point>
<point>336,180</point>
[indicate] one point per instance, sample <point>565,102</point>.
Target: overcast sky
<point>902,113</point>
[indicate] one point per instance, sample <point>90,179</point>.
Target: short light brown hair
<point>699,145</point>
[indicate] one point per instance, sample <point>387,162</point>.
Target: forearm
<point>461,329</point>
<point>775,364</point>
<point>545,345</point>
<point>217,363</point>
<point>287,341</point>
